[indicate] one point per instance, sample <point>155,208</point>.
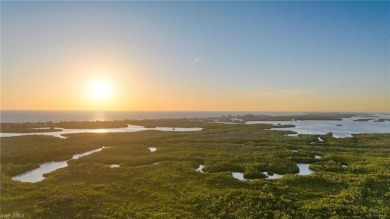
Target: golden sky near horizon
<point>127,86</point>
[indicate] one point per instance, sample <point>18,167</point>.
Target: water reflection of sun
<point>100,131</point>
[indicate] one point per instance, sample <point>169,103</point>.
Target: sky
<point>195,56</point>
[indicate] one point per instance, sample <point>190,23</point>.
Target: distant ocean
<point>56,116</point>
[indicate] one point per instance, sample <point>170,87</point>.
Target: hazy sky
<point>255,56</point>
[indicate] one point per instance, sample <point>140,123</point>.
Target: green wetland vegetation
<point>351,180</point>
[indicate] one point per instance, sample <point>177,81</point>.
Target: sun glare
<point>100,89</point>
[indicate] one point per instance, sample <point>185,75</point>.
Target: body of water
<point>152,149</point>
<point>200,168</point>
<point>36,175</point>
<point>130,128</point>
<point>238,175</point>
<point>57,116</point>
<point>340,129</point>
<point>303,171</point>
<point>274,176</point>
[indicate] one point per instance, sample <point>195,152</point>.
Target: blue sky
<point>300,56</point>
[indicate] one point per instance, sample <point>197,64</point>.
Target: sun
<point>100,89</point>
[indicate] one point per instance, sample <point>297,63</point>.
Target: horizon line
<point>303,111</point>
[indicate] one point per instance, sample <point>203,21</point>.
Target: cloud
<point>196,60</point>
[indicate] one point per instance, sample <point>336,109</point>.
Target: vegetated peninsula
<point>28,127</point>
<point>347,178</point>
<point>296,117</point>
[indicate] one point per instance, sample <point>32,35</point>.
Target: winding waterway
<point>303,171</point>
<point>36,175</point>
<point>129,128</point>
